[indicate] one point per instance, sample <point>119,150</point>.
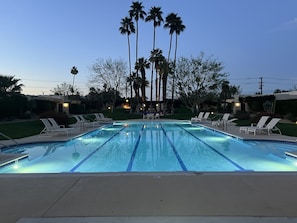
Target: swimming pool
<point>153,146</point>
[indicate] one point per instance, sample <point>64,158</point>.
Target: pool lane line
<point>221,154</point>
<point>181,163</point>
<point>92,153</point>
<point>130,164</point>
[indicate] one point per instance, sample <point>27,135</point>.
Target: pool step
<point>7,158</point>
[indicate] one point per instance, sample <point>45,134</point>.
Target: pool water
<point>153,146</point>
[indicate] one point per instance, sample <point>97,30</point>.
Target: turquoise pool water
<point>153,146</point>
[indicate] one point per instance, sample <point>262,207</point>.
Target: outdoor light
<point>127,100</point>
<point>65,105</point>
<point>237,104</point>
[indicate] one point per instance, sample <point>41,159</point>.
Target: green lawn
<point>20,129</point>
<point>288,129</point>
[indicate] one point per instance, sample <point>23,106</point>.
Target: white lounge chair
<point>261,123</point>
<point>81,123</point>
<point>99,117</point>
<point>222,121</point>
<point>205,116</point>
<point>157,115</point>
<point>231,121</point>
<point>87,123</point>
<point>197,118</point>
<point>271,126</point>
<point>51,126</point>
<point>78,122</point>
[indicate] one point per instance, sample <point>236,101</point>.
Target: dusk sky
<point>40,40</point>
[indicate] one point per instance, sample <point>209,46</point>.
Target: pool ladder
<point>9,138</point>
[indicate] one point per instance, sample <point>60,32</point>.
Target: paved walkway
<point>150,197</point>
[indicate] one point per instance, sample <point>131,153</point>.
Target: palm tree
<point>129,80</point>
<point>158,66</point>
<point>175,25</point>
<point>127,27</point>
<point>136,84</point>
<point>141,65</point>
<point>74,72</point>
<point>179,27</point>
<point>9,86</point>
<point>170,21</point>
<point>165,69</point>
<point>137,13</point>
<point>155,58</point>
<point>155,15</point>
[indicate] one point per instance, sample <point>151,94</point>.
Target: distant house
<point>282,103</point>
<point>286,103</point>
<point>290,95</point>
<point>57,103</point>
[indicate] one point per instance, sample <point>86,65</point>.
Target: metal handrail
<point>9,138</point>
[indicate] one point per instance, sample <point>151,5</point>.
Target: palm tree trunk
<point>143,97</point>
<point>159,90</point>
<point>164,80</point>
<point>173,79</point>
<point>137,90</point>
<point>136,55</point>
<point>175,49</point>
<point>130,70</point>
<point>152,76</point>
<point>169,51</point>
<point>154,38</point>
<point>156,82</point>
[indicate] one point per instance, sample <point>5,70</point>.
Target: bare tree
<point>198,77</point>
<point>65,90</point>
<point>109,74</point>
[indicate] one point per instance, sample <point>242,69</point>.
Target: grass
<point>20,129</point>
<point>288,129</point>
<point>24,128</point>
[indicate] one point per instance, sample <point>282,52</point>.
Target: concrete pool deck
<point>149,197</point>
<point>53,196</point>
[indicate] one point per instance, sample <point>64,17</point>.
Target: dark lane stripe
<point>209,146</point>
<point>183,166</point>
<point>92,153</point>
<point>129,168</point>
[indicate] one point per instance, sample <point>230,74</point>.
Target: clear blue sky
<point>40,40</point>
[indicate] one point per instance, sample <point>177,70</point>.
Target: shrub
<point>242,115</point>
